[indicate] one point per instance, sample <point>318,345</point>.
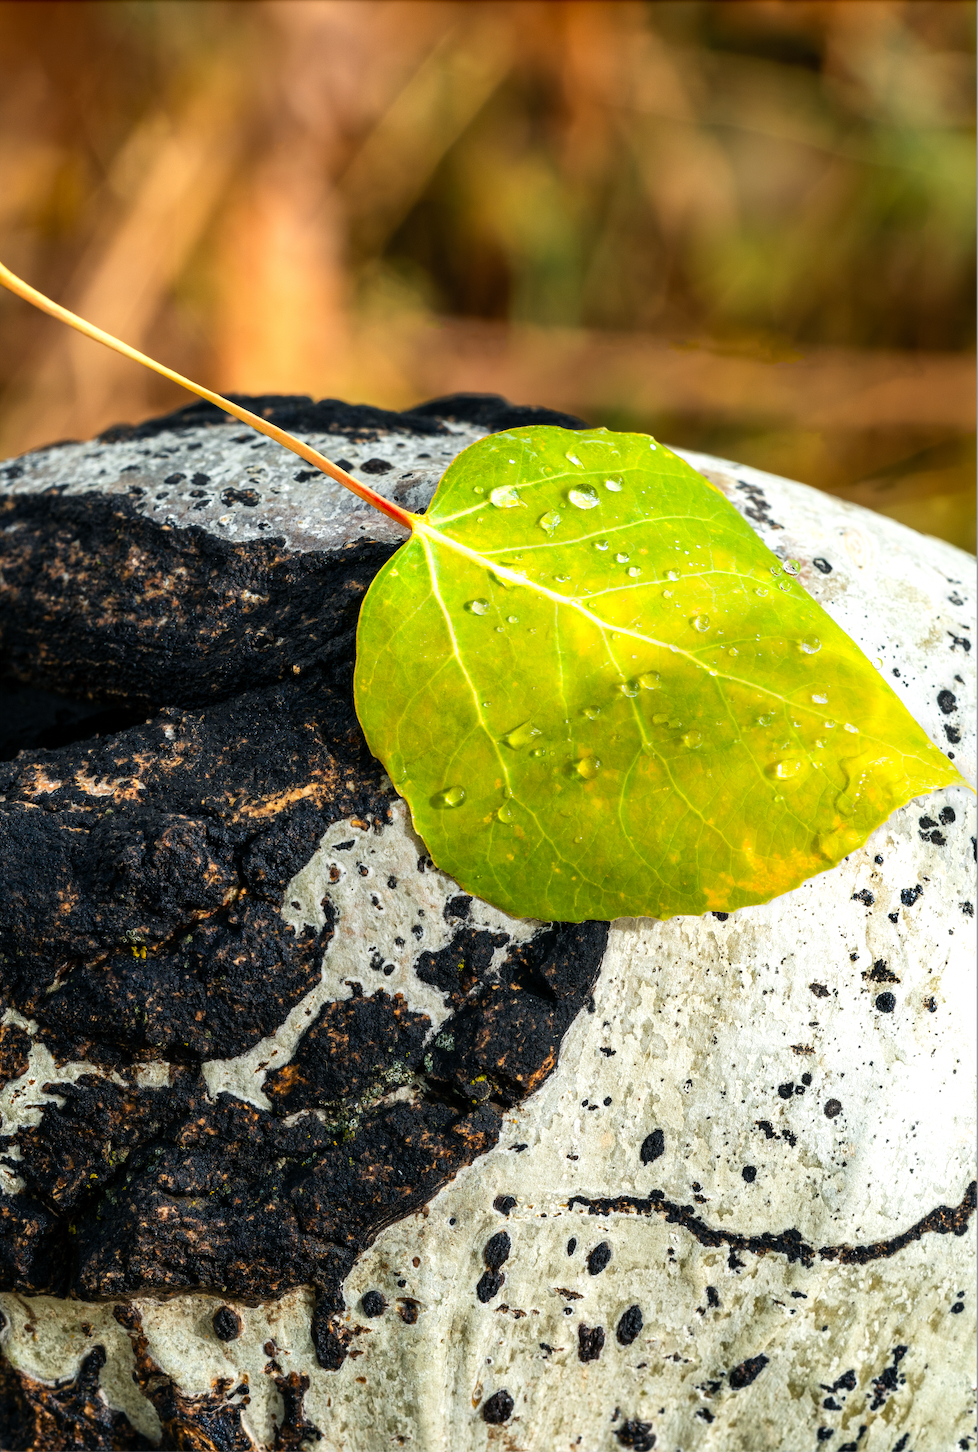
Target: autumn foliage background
<point>745,227</point>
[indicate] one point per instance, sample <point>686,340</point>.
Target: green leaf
<point>602,695</point>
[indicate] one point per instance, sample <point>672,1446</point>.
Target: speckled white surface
<point>751,1043</point>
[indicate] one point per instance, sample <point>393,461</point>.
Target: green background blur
<point>745,227</point>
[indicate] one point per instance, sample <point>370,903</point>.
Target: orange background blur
<point>745,227</point>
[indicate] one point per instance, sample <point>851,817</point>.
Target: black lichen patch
<point>636,1435</point>
<point>353,1047</point>
<point>15,1046</point>
<point>507,1033</point>
<point>942,1220</point>
<point>43,1417</point>
<point>747,1371</point>
<point>653,1147</point>
<point>504,1203</point>
<point>598,1258</point>
<point>456,969</point>
<point>889,1379</point>
<point>496,1250</point>
<point>590,1342</point>
<point>498,1408</point>
<point>226,1323</point>
<point>630,1325</point>
<point>373,1303</point>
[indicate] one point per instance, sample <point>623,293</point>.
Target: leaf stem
<point>312,456</point>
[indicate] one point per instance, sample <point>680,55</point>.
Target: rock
<point>302,1143</point>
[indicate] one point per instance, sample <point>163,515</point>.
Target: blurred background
<point>743,225</point>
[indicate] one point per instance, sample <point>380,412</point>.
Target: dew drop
<point>701,622</point>
<point>811,646</point>
<point>765,720</point>
<point>692,739</point>
<point>659,720</point>
<point>820,699</point>
<point>583,498</point>
<point>672,575</point>
<point>784,584</point>
<point>622,559</point>
<point>513,619</point>
<point>792,566</point>
<point>587,768</point>
<point>649,680</point>
<point>574,460</point>
<point>600,544</point>
<point>760,590</point>
<point>478,489</point>
<point>500,630</point>
<point>849,727</point>
<point>634,572</point>
<point>775,569</point>
<point>505,497</point>
<point>828,725</point>
<point>505,813</point>
<point>591,712</point>
<point>561,579</point>
<point>667,594</point>
<point>452,796</point>
<point>521,735</point>
<point>549,521</point>
<point>733,650</point>
<point>628,688</point>
<point>675,725</point>
<point>539,751</point>
<point>788,767</point>
<point>614,485</point>
<point>477,607</point>
<point>819,743</point>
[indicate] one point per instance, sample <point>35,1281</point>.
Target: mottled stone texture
<point>302,1146</point>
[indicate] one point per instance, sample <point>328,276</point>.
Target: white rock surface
<point>755,1043</point>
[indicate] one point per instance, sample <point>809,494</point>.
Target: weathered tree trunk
<point>302,1143</point>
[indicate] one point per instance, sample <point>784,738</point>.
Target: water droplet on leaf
<point>452,796</point>
<point>792,566</point>
<point>820,699</point>
<point>521,735</point>
<point>588,767</point>
<point>701,622</point>
<point>675,725</point>
<point>628,688</point>
<point>513,619</point>
<point>477,607</point>
<point>505,497</point>
<point>811,646</point>
<point>849,727</point>
<point>672,575</point>
<point>622,559</point>
<point>733,650</point>
<point>634,572</point>
<point>574,460</point>
<point>649,681</point>
<point>549,521</point>
<point>660,719</point>
<point>600,544</point>
<point>591,711</point>
<point>788,767</point>
<point>614,485</point>
<point>583,498</point>
<point>505,813</point>
<point>692,739</point>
